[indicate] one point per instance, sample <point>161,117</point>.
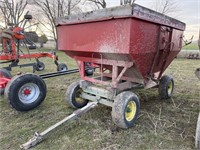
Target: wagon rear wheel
<point>25,92</point>
<point>73,96</point>
<point>5,74</point>
<point>125,110</point>
<point>166,87</point>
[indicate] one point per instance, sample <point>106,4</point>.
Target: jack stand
<point>38,137</point>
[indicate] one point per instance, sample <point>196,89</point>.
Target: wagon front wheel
<point>73,96</point>
<point>166,87</point>
<point>125,110</point>
<point>25,92</point>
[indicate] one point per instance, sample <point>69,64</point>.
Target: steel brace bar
<point>38,137</point>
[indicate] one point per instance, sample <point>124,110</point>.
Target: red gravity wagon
<point>129,47</point>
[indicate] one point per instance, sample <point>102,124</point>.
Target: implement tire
<point>40,66</point>
<point>25,92</point>
<point>62,67</point>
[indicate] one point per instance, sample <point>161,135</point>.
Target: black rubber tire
<point>28,16</point>
<point>32,47</point>
<point>166,87</point>
<point>40,66</point>
<point>4,73</point>
<point>72,92</point>
<point>19,84</point>
<point>197,137</point>
<point>62,67</point>
<point>89,72</point>
<point>120,108</point>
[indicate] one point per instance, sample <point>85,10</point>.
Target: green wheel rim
<point>78,97</point>
<point>170,87</point>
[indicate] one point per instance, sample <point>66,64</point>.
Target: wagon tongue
<point>38,137</point>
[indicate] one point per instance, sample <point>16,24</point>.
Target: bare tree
<point>103,3</point>
<point>12,11</point>
<point>52,9</point>
<point>166,7</point>
<point>125,2</point>
<point>99,3</point>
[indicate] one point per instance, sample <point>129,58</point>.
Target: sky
<point>188,12</point>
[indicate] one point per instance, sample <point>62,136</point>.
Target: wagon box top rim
<point>126,11</point>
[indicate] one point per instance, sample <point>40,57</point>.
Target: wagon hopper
<point>130,45</point>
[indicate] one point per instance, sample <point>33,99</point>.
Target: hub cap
<point>130,111</point>
<point>28,93</point>
<point>170,87</point>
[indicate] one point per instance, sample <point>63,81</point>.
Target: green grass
<point>161,125</point>
<point>192,46</point>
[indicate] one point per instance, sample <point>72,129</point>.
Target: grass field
<point>192,46</point>
<point>161,125</point>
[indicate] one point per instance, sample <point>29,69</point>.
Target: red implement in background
<point>12,40</point>
<point>12,53</point>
